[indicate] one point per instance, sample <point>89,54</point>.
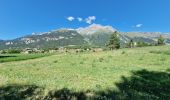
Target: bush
<point>101,59</point>
<point>13,51</point>
<point>123,52</point>
<point>3,52</point>
<point>10,51</point>
<point>142,44</point>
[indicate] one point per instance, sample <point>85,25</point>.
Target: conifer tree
<point>161,40</point>
<point>114,42</point>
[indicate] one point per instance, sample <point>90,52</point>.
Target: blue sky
<point>22,17</point>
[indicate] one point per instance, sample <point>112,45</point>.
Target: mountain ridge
<point>94,35</point>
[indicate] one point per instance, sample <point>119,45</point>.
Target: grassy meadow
<point>140,73</point>
<point>18,57</point>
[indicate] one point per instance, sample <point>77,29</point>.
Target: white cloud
<point>139,25</point>
<point>80,19</point>
<point>70,18</point>
<point>90,19</point>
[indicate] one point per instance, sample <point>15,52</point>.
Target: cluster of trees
<point>131,44</point>
<point>11,51</point>
<point>114,42</point>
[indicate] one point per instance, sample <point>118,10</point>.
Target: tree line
<point>114,42</point>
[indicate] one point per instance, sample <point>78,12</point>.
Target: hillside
<point>51,39</point>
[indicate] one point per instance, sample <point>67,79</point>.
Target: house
<point>28,50</point>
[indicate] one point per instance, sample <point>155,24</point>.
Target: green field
<point>137,73</point>
<point>18,57</point>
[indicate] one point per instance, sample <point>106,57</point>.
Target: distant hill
<point>93,35</point>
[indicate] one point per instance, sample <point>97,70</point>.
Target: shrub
<point>81,50</point>
<point>81,62</point>
<point>3,52</point>
<point>10,51</point>
<point>101,59</point>
<point>142,44</point>
<point>13,51</point>
<point>56,61</point>
<point>123,52</point>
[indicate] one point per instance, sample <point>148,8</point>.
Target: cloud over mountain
<point>70,18</point>
<point>80,19</point>
<point>139,25</point>
<point>90,19</point>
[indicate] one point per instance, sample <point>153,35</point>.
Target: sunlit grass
<point>92,71</point>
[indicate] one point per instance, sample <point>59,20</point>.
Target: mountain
<point>99,35</point>
<point>94,35</point>
<point>53,39</point>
